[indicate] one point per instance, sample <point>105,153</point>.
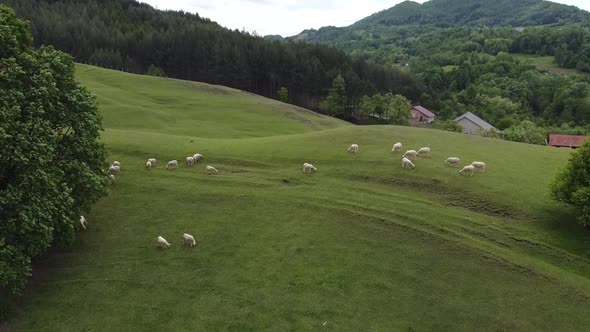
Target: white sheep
<point>354,148</point>
<point>114,169</point>
<point>148,165</point>
<point>190,161</point>
<point>479,165</point>
<point>410,154</point>
<point>407,163</point>
<point>189,240</point>
<point>116,163</point>
<point>397,147</point>
<point>452,161</point>
<point>172,164</point>
<point>162,243</point>
<point>308,168</point>
<point>211,170</point>
<point>469,169</point>
<point>424,152</point>
<point>197,157</point>
<point>83,222</point>
<point>153,161</point>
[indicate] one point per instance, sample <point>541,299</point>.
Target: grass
<point>360,245</point>
<point>546,63</point>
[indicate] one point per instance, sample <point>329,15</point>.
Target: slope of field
<point>360,245</point>
<point>546,63</point>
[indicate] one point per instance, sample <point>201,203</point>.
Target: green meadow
<point>361,245</point>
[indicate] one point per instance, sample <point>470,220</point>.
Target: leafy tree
<point>398,110</point>
<point>525,132</point>
<point>366,106</point>
<point>572,185</point>
<point>155,71</point>
<point>283,94</point>
<point>336,101</point>
<point>51,161</point>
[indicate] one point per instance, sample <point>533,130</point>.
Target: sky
<point>289,17</point>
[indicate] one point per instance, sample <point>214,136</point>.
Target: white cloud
<point>288,17</point>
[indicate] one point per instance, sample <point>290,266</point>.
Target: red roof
<point>573,141</point>
<point>424,111</point>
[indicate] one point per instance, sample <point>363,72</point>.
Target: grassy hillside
<point>360,245</point>
<point>546,63</point>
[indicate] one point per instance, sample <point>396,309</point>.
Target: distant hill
<point>451,13</point>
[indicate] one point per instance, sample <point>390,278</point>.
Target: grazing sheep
<point>114,169</point>
<point>110,178</point>
<point>211,170</point>
<point>190,161</point>
<point>353,148</point>
<point>83,222</point>
<point>479,165</point>
<point>189,240</point>
<point>467,170</point>
<point>424,152</point>
<point>410,154</point>
<point>162,243</point>
<point>197,157</point>
<point>407,163</point>
<point>153,161</point>
<point>452,161</point>
<point>116,163</point>
<point>148,165</point>
<point>172,164</point>
<point>397,147</point>
<point>309,168</point>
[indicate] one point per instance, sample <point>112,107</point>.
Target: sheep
<point>467,169</point>
<point>410,154</point>
<point>189,240</point>
<point>162,243</point>
<point>197,157</point>
<point>83,222</point>
<point>407,163</point>
<point>116,163</point>
<point>452,161</point>
<point>354,148</point>
<point>397,147</point>
<point>153,161</point>
<point>114,169</point>
<point>211,170</point>
<point>424,152</point>
<point>148,165</point>
<point>309,168</point>
<point>172,164</point>
<point>190,161</point>
<point>479,165</point>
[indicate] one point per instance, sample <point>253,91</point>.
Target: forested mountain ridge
<point>134,37</point>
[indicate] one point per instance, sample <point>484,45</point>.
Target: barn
<point>473,124</point>
<point>421,115</point>
<point>567,141</point>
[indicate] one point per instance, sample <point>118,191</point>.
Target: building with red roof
<point>420,114</point>
<point>567,141</point>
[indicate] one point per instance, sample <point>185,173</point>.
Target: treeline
<point>127,35</point>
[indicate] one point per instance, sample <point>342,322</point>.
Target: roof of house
<point>424,111</point>
<point>477,120</point>
<point>574,141</point>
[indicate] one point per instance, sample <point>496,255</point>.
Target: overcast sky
<point>289,17</point>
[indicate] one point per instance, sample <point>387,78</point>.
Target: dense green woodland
<point>461,53</point>
<point>124,34</point>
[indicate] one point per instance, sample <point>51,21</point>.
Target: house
<point>567,141</point>
<point>473,124</point>
<point>419,114</point>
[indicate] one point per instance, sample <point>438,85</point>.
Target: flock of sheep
<point>189,240</point>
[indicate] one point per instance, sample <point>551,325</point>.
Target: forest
<point>134,37</point>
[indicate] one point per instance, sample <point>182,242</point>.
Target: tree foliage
<point>51,162</point>
<point>283,94</point>
<point>572,185</point>
<point>335,103</point>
